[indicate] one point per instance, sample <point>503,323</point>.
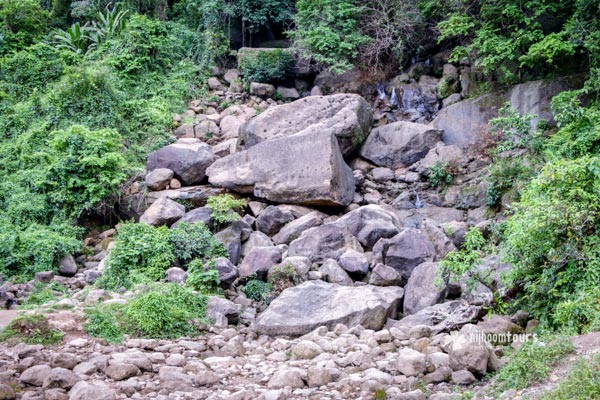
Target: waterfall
<point>394,98</point>
<point>380,91</point>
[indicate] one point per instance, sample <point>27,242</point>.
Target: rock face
<point>323,242</point>
<point>421,289</point>
<point>306,168</point>
<point>301,309</point>
<point>399,144</point>
<point>348,116</point>
<point>405,251</point>
<point>188,159</point>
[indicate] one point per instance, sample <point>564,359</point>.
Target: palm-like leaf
<point>74,39</point>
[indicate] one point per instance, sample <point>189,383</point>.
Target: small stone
<point>67,266</point>
<point>44,276</point>
<point>176,275</point>
<point>411,362</point>
<point>463,377</point>
<point>176,360</point>
<point>35,375</point>
<point>60,378</point>
<point>6,392</point>
<point>88,391</point>
<point>306,350</point>
<point>158,179</point>
<point>174,184</point>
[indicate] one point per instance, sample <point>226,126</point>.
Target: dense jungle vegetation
<point>88,88</point>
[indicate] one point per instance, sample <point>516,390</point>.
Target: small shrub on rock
<point>258,290</point>
<point>141,253</point>
<point>266,66</point>
<point>440,175</point>
<point>195,241</point>
<point>203,277</point>
<point>282,277</point>
<point>165,311</point>
<point>103,322</point>
<point>224,208</point>
<point>31,329</point>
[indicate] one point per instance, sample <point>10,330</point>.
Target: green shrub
<point>267,66</point>
<point>22,22</point>
<point>43,293</point>
<point>533,362</point>
<point>195,242</point>
<point>282,277</point>
<point>257,290</point>
<point>582,382</point>
<point>578,314</point>
<point>517,130</point>
<point>141,253</point>
<point>86,167</point>
<point>166,311</point>
<point>31,329</point>
<point>463,264</point>
<point>224,208</point>
<point>440,175</point>
<point>103,322</point>
<point>328,31</point>
<point>507,174</point>
<point>552,239</point>
<point>203,277</point>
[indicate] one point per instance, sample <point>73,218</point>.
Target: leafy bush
<point>517,130</point>
<point>224,208</point>
<point>507,174</point>
<point>43,293</point>
<point>533,362</point>
<point>195,242</point>
<point>440,175</point>
<point>327,30</point>
<point>166,311</point>
<point>141,253</point>
<point>552,238</point>
<point>86,167</point>
<point>31,329</point>
<point>203,278</point>
<point>463,264</point>
<point>282,277</point>
<point>267,66</point>
<point>22,22</point>
<point>578,314</point>
<point>257,290</point>
<point>103,322</point>
<point>582,382</point>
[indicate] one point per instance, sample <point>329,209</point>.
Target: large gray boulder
<point>260,260</point>
<point>399,144</point>
<point>188,159</point>
<point>323,242</point>
<point>469,350</point>
<point>423,289</point>
<point>405,251</point>
<point>370,223</point>
<point>300,309</point>
<point>163,212</point>
<point>306,168</point>
<point>348,116</point>
<point>294,229</point>
<point>272,219</point>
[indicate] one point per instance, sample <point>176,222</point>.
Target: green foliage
<point>258,290</point>
<point>517,130</point>
<point>195,242</point>
<point>25,71</point>
<point>463,264</point>
<point>224,208</point>
<point>327,30</point>
<point>74,38</point>
<point>440,175</point>
<point>507,174</point>
<point>582,382</point>
<point>267,66</point>
<point>579,134</point>
<point>43,293</point>
<point>533,362</point>
<point>141,253</point>
<point>203,279</point>
<point>102,321</point>
<point>578,314</point>
<point>282,277</point>
<point>260,14</point>
<point>552,238</point>
<point>166,311</point>
<point>22,22</point>
<point>31,329</point>
<point>85,167</point>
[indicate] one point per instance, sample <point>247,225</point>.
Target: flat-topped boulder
<point>303,308</point>
<point>307,168</point>
<point>348,116</point>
